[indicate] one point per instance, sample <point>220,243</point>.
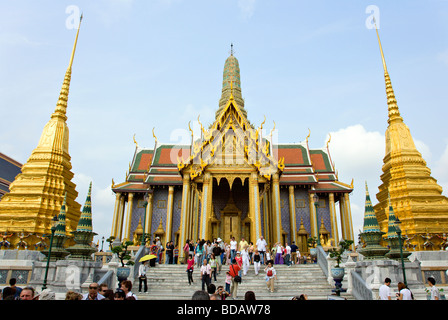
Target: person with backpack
<point>271,274</point>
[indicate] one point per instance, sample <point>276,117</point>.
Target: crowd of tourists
<point>209,259</point>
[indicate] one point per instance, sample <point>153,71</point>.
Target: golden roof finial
<point>393,112</point>
<point>307,137</point>
<point>61,105</point>
<point>329,139</point>
<point>74,45</point>
<point>136,144</point>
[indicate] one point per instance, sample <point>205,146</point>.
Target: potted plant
<point>337,272</point>
<point>124,256</point>
<point>312,242</point>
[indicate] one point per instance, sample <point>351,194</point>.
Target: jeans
<point>287,260</point>
<point>205,281</point>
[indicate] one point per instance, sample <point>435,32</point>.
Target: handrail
<point>322,260</point>
<point>360,290</point>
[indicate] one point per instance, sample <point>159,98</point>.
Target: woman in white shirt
<point>404,293</point>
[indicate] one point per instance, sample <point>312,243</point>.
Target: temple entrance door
<point>231,220</point>
<point>231,226</point>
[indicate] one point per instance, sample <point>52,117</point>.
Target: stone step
<point>169,282</point>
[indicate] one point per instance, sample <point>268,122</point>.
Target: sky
<point>144,64</point>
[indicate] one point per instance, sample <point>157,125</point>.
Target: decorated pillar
<point>206,206</point>
<point>169,214</point>
<point>254,201</point>
<point>148,213</point>
<point>113,232</point>
<point>292,214</point>
<point>313,220</point>
<point>350,235</point>
<point>127,230</point>
<point>184,212</point>
<point>343,215</point>
<point>334,222</point>
<point>277,223</point>
<point>119,229</point>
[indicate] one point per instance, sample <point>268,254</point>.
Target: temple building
<point>9,169</point>
<point>415,196</point>
<point>38,191</point>
<point>232,182</point>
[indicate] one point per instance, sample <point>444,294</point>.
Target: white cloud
<point>247,8</point>
<point>358,155</point>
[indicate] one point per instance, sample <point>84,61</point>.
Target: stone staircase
<point>169,282</point>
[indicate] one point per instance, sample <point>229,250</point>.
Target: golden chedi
<point>37,193</point>
<point>415,196</point>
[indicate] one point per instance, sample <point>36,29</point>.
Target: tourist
<point>233,248</point>
<point>256,259</point>
<point>228,254</point>
<point>213,265</point>
<point>200,295</point>
<point>126,286</point>
<point>222,294</point>
<point>199,252</point>
<point>72,295</point>
<point>186,250</point>
<point>176,254</point>
<point>278,250</point>
<point>384,290</point>
<point>271,274</point>
<point>245,260</point>
<point>239,261</point>
<point>27,293</point>
<point>228,281</point>
<point>287,251</point>
<point>190,267</point>
<point>108,294</point>
<point>46,294</point>
<point>234,270</point>
<point>119,295</point>
<point>93,293</point>
<point>249,295</point>
<point>168,253</point>
<point>142,280</point>
<point>102,288</point>
<point>217,253</point>
<point>261,247</point>
<point>205,274</point>
<point>12,290</point>
<point>243,244</point>
<point>435,294</point>
<point>294,251</point>
<point>404,292</point>
<point>250,250</point>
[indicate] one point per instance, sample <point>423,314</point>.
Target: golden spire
<point>394,113</point>
<point>61,106</point>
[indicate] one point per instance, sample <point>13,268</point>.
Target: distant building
<point>9,169</point>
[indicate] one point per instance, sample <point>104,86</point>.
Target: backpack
<point>269,273</point>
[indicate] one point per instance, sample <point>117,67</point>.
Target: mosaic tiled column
<point>113,232</point>
<point>148,219</point>
<point>277,232</point>
<point>184,212</point>
<point>169,213</point>
<point>207,192</point>
<point>334,222</point>
<point>119,229</point>
<point>127,230</point>
<point>313,221</point>
<point>254,203</point>
<point>292,214</point>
